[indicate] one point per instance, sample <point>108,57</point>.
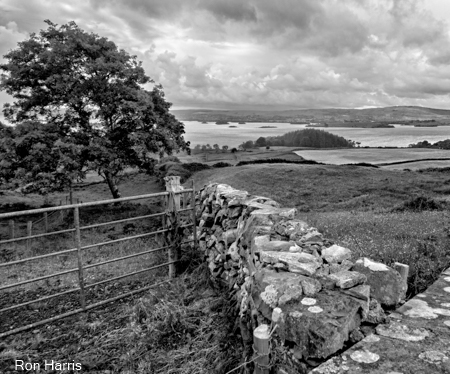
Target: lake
<point>399,136</point>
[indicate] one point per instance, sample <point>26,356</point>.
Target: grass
<point>184,326</point>
<point>418,239</point>
<point>329,187</point>
<point>372,155</point>
<point>381,214</point>
<point>212,157</point>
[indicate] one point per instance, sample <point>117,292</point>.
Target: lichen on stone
<point>315,309</point>
<point>372,338</point>
<point>269,296</point>
<point>365,357</point>
<point>396,330</point>
<point>433,357</point>
<point>308,301</point>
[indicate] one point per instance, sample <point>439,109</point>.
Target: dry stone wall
<point>284,273</point>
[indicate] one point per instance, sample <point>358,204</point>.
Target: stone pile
<point>283,272</point>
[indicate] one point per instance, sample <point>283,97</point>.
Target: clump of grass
<point>178,328</point>
<point>420,203</point>
<point>418,239</point>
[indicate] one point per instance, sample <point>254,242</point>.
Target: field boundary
<point>176,200</point>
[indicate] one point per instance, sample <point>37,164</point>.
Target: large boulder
<point>320,325</point>
<point>386,284</point>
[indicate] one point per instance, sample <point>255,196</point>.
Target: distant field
<point>210,158</point>
<point>375,155</point>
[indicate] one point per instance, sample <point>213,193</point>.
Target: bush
<point>195,166</point>
<point>364,164</point>
<point>178,170</point>
<point>419,204</point>
<point>169,159</point>
<point>221,165</point>
<point>278,161</point>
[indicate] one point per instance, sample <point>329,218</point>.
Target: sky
<point>266,54</point>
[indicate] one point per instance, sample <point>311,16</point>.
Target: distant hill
<point>371,117</point>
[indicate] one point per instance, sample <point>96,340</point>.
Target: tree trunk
<point>112,186</point>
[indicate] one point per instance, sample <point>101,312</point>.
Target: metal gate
<point>178,213</point>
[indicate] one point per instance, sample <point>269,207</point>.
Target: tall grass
<point>418,239</point>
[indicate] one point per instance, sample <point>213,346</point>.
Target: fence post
<point>76,219</point>
<point>11,229</point>
<point>194,218</point>
<point>172,186</point>
<point>29,233</point>
<point>46,222</point>
<point>261,340</point>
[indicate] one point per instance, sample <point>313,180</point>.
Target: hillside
<point>396,114</point>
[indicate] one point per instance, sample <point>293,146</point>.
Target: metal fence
<point>175,203</point>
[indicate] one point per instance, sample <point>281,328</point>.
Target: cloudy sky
<point>260,54</point>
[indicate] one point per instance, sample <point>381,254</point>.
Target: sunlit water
<point>400,136</point>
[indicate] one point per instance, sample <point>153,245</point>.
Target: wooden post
<point>76,219</point>
<point>46,222</point>
<point>71,194</point>
<point>29,230</point>
<point>261,340</point>
<point>172,186</point>
<point>194,219</point>
<point>11,229</point>
<point>403,270</point>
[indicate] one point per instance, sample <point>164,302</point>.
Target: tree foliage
<point>90,95</point>
<point>309,138</point>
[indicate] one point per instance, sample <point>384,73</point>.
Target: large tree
<point>92,95</point>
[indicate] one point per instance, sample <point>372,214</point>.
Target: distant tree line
<point>443,144</point>
<point>301,138</point>
<point>216,148</point>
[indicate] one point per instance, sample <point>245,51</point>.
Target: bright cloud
<point>285,53</point>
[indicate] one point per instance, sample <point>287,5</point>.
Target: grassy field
<point>212,157</point>
<point>372,155</point>
<point>382,214</point>
<point>184,326</point>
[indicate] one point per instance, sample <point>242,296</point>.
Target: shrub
<point>178,170</point>
<point>278,161</point>
<point>195,166</point>
<point>169,159</point>
<point>221,165</point>
<point>419,204</point>
<point>364,164</point>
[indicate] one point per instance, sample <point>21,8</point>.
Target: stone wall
<point>314,294</point>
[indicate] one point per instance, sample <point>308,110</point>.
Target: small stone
<point>447,323</point>
<point>310,286</point>
<point>360,292</point>
<point>315,309</point>
<point>336,254</point>
<point>365,357</point>
<point>308,301</point>
<point>290,294</point>
<point>447,289</point>
<point>348,279</point>
<point>277,315</point>
<point>376,313</point>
